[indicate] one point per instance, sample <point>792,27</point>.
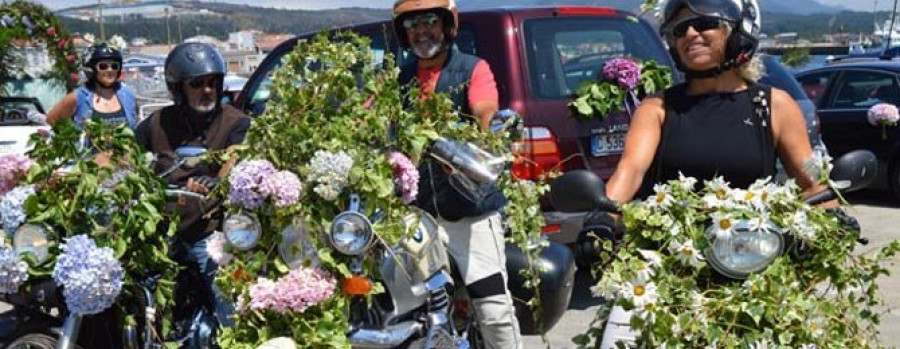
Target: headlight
<point>746,251</point>
<point>242,231</point>
<point>295,246</point>
<point>32,238</point>
<point>351,233</point>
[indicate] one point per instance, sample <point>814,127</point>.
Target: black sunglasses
<point>201,83</point>
<point>700,24</point>
<point>108,66</point>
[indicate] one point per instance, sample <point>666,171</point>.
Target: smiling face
<point>107,72</point>
<point>700,41</point>
<point>425,33</point>
<point>202,92</point>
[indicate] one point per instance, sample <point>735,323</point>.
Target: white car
<point>18,123</point>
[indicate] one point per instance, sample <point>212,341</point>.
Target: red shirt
<point>482,87</point>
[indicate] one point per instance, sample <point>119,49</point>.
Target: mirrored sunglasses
<point>428,20</point>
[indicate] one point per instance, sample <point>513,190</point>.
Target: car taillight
<point>536,154</point>
<point>586,11</point>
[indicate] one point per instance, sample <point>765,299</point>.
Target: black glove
<point>845,219</point>
<point>599,226</point>
<point>605,223</point>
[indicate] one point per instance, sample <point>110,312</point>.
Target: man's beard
<point>427,50</point>
<point>203,107</point>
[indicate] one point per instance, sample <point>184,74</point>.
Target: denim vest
<point>84,105</point>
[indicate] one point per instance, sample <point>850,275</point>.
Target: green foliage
<point>596,99</point>
<point>119,205</point>
<point>329,96</point>
<point>795,57</point>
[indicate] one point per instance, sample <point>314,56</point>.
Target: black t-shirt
<point>184,130</point>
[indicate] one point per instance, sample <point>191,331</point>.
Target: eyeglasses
<point>700,24</point>
<point>108,66</point>
<point>429,20</point>
<point>201,83</point>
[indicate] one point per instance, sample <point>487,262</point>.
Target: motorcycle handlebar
<point>174,193</point>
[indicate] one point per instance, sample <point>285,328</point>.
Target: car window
<point>863,89</point>
<point>564,52</point>
<point>776,75</point>
<point>814,85</point>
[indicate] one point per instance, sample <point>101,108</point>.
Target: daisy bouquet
<point>810,290</point>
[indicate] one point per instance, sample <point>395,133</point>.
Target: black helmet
<point>190,60</point>
<point>97,53</point>
<point>744,17</point>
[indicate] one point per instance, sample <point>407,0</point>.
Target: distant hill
<point>799,7</point>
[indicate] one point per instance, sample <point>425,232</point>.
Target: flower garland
<point>884,115</point>
<point>25,20</point>
<point>664,271</point>
<point>13,168</point>
<point>621,81</point>
<point>91,276</point>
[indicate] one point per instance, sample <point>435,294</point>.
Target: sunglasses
<point>700,24</point>
<point>108,66</point>
<point>201,83</point>
<point>429,20</point>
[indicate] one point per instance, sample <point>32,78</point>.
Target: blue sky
<point>859,5</point>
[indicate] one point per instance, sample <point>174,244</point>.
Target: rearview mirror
<point>855,170</point>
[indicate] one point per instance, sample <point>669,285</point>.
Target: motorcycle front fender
<point>15,323</point>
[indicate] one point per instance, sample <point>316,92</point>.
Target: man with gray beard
<point>474,230</point>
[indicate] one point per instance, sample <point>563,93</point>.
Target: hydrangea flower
<point>295,292</point>
<point>406,176</point>
<point>91,276</point>
<point>245,180</point>
<point>283,187</point>
<point>883,114</point>
<point>625,72</point>
<point>12,168</point>
<point>215,247</point>
<point>12,207</point>
<point>331,170</point>
<point>13,270</point>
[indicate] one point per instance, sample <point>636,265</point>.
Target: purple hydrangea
<point>406,176</point>
<point>12,207</point>
<point>7,21</point>
<point>13,168</point>
<point>245,180</point>
<point>331,170</point>
<point>883,114</point>
<point>91,276</point>
<point>625,72</point>
<point>13,271</point>
<point>283,187</point>
<point>295,292</point>
<point>28,23</point>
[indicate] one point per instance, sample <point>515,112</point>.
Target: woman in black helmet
<point>720,122</point>
<point>102,96</point>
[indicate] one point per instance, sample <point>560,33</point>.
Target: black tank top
<point>719,134</point>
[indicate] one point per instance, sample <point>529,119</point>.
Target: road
<point>878,215</point>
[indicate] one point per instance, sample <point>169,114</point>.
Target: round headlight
<point>295,246</point>
<point>351,233</point>
<point>746,250</point>
<point>32,239</point>
<point>242,231</point>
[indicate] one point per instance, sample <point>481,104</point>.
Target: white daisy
<point>760,222</point>
<point>722,224</point>
<point>686,183</point>
<point>661,198</point>
<point>640,292</point>
<point>717,193</point>
<point>761,344</point>
<point>652,257</point>
<point>686,253</point>
<point>606,289</point>
<point>816,327</point>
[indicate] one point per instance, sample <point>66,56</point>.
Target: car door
<point>844,111</point>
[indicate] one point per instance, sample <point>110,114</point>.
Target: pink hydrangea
<point>13,168</point>
<point>625,72</point>
<point>883,114</point>
<point>245,179</point>
<point>406,176</point>
<point>215,247</point>
<point>283,187</point>
<point>295,292</point>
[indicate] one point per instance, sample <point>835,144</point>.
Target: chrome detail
<point>69,334</point>
<point>390,337</point>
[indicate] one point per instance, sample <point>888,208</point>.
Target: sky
<point>858,5</point>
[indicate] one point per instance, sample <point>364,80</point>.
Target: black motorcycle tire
<point>35,341</point>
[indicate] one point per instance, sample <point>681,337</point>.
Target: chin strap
<point>718,70</point>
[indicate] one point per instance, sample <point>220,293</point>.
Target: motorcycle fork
<point>69,334</point>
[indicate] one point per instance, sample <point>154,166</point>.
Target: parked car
<point>539,57</point>
<point>15,126</point>
<point>843,93</point>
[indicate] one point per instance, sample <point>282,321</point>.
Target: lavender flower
<point>12,207</point>
<point>293,293</point>
<point>406,177</point>
<point>283,187</point>
<point>13,271</point>
<point>28,23</point>
<point>12,168</point>
<point>37,117</point>
<point>623,71</point>
<point>245,180</point>
<point>91,276</point>
<point>215,247</point>
<point>7,21</point>
<point>331,171</point>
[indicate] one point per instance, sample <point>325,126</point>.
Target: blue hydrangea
<point>13,271</point>
<point>12,208</point>
<point>91,276</point>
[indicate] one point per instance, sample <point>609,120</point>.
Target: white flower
<point>646,313</point>
<point>89,38</point>
<point>606,289</point>
<point>722,224</point>
<point>685,252</point>
<point>760,222</point>
<point>816,327</point>
<point>761,344</point>
<point>686,183</point>
<point>640,292</point>
<point>763,191</point>
<point>661,198</point>
<point>117,42</point>
<point>799,223</point>
<point>717,195</point>
<point>651,256</point>
<point>818,167</point>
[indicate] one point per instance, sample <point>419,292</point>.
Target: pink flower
<point>293,293</point>
<point>883,113</point>
<point>625,72</point>
<point>13,168</point>
<point>215,247</point>
<point>283,187</point>
<point>406,176</point>
<point>263,294</point>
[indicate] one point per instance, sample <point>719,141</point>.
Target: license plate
<point>607,143</point>
<point>6,147</point>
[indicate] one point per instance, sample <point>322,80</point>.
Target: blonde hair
<point>752,70</point>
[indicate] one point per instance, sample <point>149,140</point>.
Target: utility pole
<point>890,31</point>
<point>100,20</point>
<point>168,30</point>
